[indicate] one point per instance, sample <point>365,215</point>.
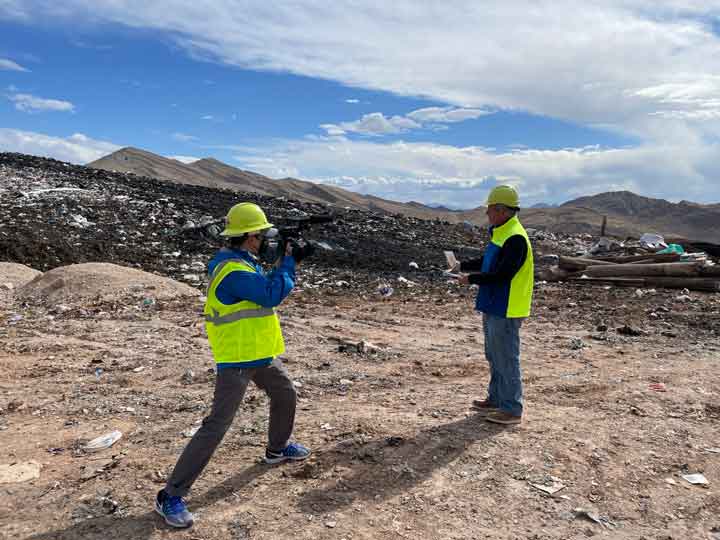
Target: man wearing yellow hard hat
<point>504,275</point>
<point>246,340</point>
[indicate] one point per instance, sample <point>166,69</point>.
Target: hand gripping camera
<point>276,240</point>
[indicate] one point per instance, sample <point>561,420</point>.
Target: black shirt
<point>510,259</point>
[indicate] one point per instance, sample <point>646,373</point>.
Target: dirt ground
<point>397,451</point>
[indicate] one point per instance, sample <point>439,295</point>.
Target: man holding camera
<point>505,277</point>
<point>246,340</point>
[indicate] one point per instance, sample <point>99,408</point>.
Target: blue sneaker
<point>292,452</point>
<point>174,510</point>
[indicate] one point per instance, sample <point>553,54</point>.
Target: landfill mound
<point>172,229</point>
<point>105,281</point>
<point>14,275</point>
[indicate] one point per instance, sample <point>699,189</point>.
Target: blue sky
<point>409,102</point>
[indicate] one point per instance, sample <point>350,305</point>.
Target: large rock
<point>103,281</point>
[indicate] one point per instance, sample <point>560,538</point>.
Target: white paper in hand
<point>451,260</point>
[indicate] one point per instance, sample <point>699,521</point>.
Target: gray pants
<point>230,387</point>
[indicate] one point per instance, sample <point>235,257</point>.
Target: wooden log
<point>623,282</point>
<point>693,284</point>
<point>574,264</point>
<point>553,273</point>
<point>643,270</point>
<point>710,271</point>
<point>656,257</point>
<point>690,283</point>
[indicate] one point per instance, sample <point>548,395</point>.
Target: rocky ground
<point>621,388</point>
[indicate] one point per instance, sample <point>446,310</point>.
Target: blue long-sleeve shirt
<point>267,290</point>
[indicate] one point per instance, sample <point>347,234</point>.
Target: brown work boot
<point>501,417</point>
<point>483,407</point>
<point>482,404</point>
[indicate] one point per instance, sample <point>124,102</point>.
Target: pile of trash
<point>648,262</point>
<point>56,214</point>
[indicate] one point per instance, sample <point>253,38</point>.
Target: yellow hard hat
<point>243,218</point>
<point>506,195</point>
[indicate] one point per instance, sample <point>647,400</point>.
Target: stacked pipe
<point>651,270</point>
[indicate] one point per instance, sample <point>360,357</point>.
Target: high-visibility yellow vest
<point>244,331</point>
<point>515,300</point>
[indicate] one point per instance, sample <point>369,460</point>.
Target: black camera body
<point>276,240</point>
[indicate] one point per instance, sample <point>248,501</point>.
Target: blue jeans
<point>502,350</point>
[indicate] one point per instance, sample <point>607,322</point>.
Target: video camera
<point>277,239</point>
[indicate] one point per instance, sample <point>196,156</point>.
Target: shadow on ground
<point>142,526</point>
<point>383,468</point>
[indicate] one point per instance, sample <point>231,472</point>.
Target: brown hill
<point>631,214</point>
<point>210,172</point>
<point>628,214</point>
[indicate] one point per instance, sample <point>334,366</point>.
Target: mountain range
<point>627,214</point>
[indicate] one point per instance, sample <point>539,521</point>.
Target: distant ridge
<point>214,173</point>
<point>628,214</point>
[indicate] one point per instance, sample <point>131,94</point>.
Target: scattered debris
<point>593,516</point>
<point>103,442</point>
<point>696,479</point>
<point>386,290</point>
<point>188,377</point>
<point>552,488</point>
<point>190,432</point>
<point>627,330</point>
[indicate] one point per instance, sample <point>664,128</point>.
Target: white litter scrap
<point>190,432</point>
<point>53,190</point>
<point>593,516</point>
<point>696,479</point>
<point>550,489</point>
<point>652,241</point>
<point>103,442</point>
<point>16,473</point>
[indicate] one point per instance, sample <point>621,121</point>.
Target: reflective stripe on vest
<point>216,318</point>
<point>244,331</point>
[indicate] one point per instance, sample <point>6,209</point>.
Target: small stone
<point>188,376</point>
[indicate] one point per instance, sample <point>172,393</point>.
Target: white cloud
<point>208,117</point>
<point>184,159</point>
<point>698,99</point>
<point>183,137</point>
<point>9,65</point>
<point>641,67</point>
<point>352,100</point>
<point>77,148</point>
<point>372,124</point>
<point>31,104</point>
<point>461,176</point>
<point>446,114</point>
<point>550,59</point>
<point>378,124</point>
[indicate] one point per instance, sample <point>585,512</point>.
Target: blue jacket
<point>267,290</point>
